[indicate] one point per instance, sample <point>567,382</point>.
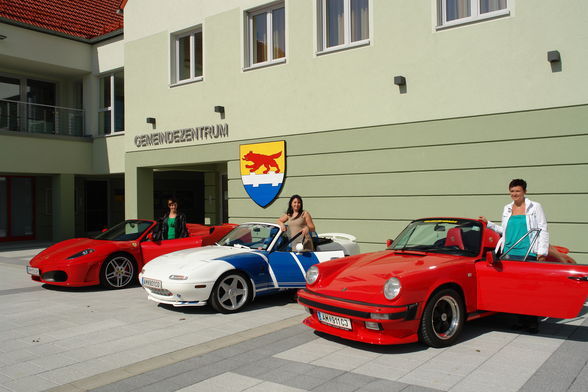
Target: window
<point>266,36</point>
<point>111,116</point>
<point>453,12</point>
<point>342,23</point>
<point>187,64</point>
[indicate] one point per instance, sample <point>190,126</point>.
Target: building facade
<point>390,111</point>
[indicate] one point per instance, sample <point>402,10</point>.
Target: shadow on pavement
<point>503,322</point>
<point>85,289</point>
<point>262,302</point>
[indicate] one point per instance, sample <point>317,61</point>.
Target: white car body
<point>188,277</point>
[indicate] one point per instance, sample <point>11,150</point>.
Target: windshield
<point>455,236</point>
<point>251,235</point>
<point>125,231</point>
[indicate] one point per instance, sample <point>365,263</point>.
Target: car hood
<point>64,249</point>
<point>188,260</point>
<point>366,274</point>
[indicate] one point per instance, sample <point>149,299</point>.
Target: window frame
<point>267,10</point>
<point>175,53</point>
<point>475,16</point>
<point>112,108</point>
<point>347,43</point>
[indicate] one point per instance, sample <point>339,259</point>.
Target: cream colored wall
<point>492,66</point>
<point>48,154</point>
<point>23,45</point>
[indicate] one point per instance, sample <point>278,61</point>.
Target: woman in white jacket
<point>519,217</point>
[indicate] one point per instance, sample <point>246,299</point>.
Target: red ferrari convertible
<point>114,257</point>
<point>438,273</point>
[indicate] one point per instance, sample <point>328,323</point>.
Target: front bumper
<point>179,293</point>
<point>395,324</point>
<point>71,274</point>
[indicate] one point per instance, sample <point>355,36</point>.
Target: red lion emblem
<point>259,160</point>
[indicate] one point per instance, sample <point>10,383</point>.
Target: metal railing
<point>18,116</point>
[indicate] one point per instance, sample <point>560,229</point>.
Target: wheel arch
<point>446,285</point>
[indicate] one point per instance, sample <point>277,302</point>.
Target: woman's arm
<point>309,222</point>
<point>281,220</point>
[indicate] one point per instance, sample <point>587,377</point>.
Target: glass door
<point>17,209</point>
<point>3,208</point>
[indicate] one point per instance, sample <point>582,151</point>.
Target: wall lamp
<point>2,37</point>
<point>150,120</point>
<point>553,56</point>
<point>400,80</point>
<point>219,109</point>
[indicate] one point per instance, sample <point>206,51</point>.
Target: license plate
<point>334,321</point>
<point>33,271</point>
<point>156,284</point>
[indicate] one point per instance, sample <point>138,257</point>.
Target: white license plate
<point>154,283</point>
<point>334,321</point>
<point>33,271</point>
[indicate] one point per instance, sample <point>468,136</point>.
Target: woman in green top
<point>173,224</point>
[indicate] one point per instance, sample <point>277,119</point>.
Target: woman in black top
<point>172,225</point>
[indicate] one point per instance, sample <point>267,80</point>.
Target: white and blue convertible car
<point>251,260</point>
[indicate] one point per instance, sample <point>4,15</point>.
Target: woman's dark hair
<point>290,210</point>
<point>172,199</point>
<point>518,182</point>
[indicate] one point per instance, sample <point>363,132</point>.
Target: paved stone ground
<point>107,341</point>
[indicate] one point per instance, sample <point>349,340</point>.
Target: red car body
<point>125,257</point>
<point>439,291</point>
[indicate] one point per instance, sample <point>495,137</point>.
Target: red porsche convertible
<point>437,274</point>
<point>114,257</point>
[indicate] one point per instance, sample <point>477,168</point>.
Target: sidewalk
<point>95,340</point>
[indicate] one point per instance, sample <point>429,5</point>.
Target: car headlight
<point>80,254</point>
<point>178,277</point>
<point>312,274</point>
<point>392,288</point>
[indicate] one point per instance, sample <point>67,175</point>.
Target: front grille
<point>163,292</point>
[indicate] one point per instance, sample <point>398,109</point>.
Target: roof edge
<point>94,40</point>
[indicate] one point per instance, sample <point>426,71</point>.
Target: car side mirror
<point>491,258</point>
<point>388,243</point>
<point>104,230</point>
<point>150,236</point>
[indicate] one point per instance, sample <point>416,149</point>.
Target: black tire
<point>231,292</point>
<point>118,271</point>
<point>442,319</point>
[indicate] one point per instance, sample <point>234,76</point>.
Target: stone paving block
<point>194,376</point>
<point>335,386</point>
<point>345,359</point>
<point>431,378</point>
<point>129,384</point>
<point>379,370</point>
<point>226,382</point>
<point>308,352</point>
<point>29,384</point>
<point>307,383</point>
<point>53,361</point>
<point>17,356</point>
<point>384,386</point>
<point>273,387</point>
<point>20,370</point>
<point>76,371</point>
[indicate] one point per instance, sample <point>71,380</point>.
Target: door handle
<point>579,278</point>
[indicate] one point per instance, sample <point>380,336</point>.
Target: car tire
<point>118,271</point>
<point>442,319</point>
<point>231,292</point>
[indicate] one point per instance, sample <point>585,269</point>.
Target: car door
<point>152,249</point>
<point>534,288</point>
<point>289,268</point>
